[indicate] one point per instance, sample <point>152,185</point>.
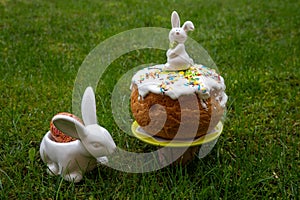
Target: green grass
<point>256,46</point>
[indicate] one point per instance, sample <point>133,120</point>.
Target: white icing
<point>197,79</point>
<point>203,104</point>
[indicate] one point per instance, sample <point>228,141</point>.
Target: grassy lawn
<point>255,44</point>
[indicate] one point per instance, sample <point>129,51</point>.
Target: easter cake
<point>179,96</point>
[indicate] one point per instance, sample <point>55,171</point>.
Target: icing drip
<point>197,79</point>
<point>203,104</point>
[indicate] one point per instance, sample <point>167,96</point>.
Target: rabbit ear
<point>188,26</point>
<point>88,107</point>
<point>175,21</point>
<point>68,125</point>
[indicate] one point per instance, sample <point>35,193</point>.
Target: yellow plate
<point>139,133</point>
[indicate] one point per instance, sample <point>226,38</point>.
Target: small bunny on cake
<point>177,57</point>
<point>72,159</point>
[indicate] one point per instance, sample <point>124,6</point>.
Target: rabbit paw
<point>53,168</point>
<point>103,160</point>
<point>75,176</point>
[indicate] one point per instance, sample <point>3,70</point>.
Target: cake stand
<point>179,151</point>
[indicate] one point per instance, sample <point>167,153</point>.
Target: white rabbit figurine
<point>73,159</point>
<point>177,57</point>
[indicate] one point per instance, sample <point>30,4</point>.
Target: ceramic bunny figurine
<point>177,57</point>
<point>73,159</point>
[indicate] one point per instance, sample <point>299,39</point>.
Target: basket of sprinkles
<point>178,105</point>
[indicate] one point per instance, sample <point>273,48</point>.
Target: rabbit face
<point>178,35</point>
<point>98,141</point>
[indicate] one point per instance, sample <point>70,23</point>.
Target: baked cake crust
<point>150,113</point>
